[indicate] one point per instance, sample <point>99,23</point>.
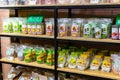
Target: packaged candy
<point>40,29</point>
<point>106,64</point>
<point>72,60</point>
<point>63,1</point>
<point>63,27</point>
<point>96,62</point>
<point>49,1</point>
<point>62,58</point>
<point>49,25</point>
<point>83,61</point>
<point>28,54</point>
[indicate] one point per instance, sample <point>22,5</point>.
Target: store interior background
<point>77,13</point>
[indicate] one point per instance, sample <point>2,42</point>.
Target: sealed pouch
<point>63,1</point>
<point>85,1</point>
<point>25,76</point>
<point>3,2</point>
<point>49,25</point>
<point>29,28</point>
<point>98,32</point>
<point>39,29</point>
<point>75,1</point>
<point>94,1</point>
<point>33,29</point>
<point>106,64</point>
<point>115,32</point>
<point>5,26</point>
<point>28,54</point>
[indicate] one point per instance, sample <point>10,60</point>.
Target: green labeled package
<point>28,54</point>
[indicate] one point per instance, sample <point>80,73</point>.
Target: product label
<point>115,33</point>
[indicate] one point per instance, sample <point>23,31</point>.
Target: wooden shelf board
<point>89,39</point>
<point>91,73</point>
<point>32,64</point>
<point>25,35</point>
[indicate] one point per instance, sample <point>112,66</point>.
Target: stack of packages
<point>31,53</point>
<point>83,58</point>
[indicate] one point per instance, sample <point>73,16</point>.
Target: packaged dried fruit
<point>63,1</point>
<point>72,60</point>
<point>76,28</point>
<point>106,64</point>
<point>64,27</point>
<point>25,76</point>
<point>40,29</point>
<point>49,25</point>
<point>5,25</point>
<point>83,61</point>
<point>28,54</point>
<point>29,29</point>
<point>49,1</point>
<point>96,62</point>
<point>33,29</point>
<point>24,28</point>
<point>115,32</point>
<point>98,33</point>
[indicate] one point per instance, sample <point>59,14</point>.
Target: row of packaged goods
<point>81,58</point>
<point>31,53</point>
<point>76,27</point>
<point>94,59</point>
<point>25,73</point>
<point>40,2</point>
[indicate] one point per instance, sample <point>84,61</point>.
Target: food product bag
<point>35,76</point>
<point>28,54</point>
<point>29,28</point>
<point>3,2</point>
<point>64,27</point>
<point>94,1</point>
<point>75,1</point>
<point>33,29</point>
<point>5,25</point>
<point>25,76</point>
<point>106,64</point>
<point>115,32</point>
<point>13,2</point>
<point>98,32</point>
<point>96,62</point>
<point>40,29</point>
<point>49,25</point>
<point>24,26</point>
<point>72,60</point>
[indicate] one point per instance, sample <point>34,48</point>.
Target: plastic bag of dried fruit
<point>75,1</point>
<point>63,1</point>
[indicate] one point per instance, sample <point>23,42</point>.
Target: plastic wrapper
<point>29,29</point>
<point>116,63</point>
<point>106,64</point>
<point>24,28</point>
<point>63,1</point>
<point>40,29</point>
<point>83,61</point>
<point>98,32</point>
<point>76,28</point>
<point>64,27</point>
<point>75,1</point>
<point>31,2</point>
<point>25,76</point>
<point>35,76</point>
<point>10,53</point>
<point>94,1</point>
<point>96,62</point>
<point>49,1</point>
<point>13,2</point>
<point>72,60</point>
<point>3,2</point>
<point>49,25</point>
<point>62,58</point>
<point>33,29</point>
<point>115,32</point>
<point>13,73</point>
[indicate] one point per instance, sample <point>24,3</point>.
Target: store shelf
<point>32,64</point>
<point>88,39</point>
<point>26,35</point>
<point>91,73</point>
<point>52,6</point>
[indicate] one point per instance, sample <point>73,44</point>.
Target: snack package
<point>28,54</point>
<point>10,53</point>
<point>40,55</point>
<point>98,32</point>
<point>29,29</point>
<point>106,64</point>
<point>83,61</point>
<point>3,2</point>
<point>116,63</point>
<point>50,76</point>
<point>33,29</point>
<point>64,27</point>
<point>85,1</point>
<point>76,28</point>
<point>13,73</point>
<point>115,32</point>
<point>31,2</point>
<point>34,54</point>
<point>87,31</point>
<point>16,27</point>
<point>62,58</point>
<point>72,60</point>
<point>94,1</point>
<point>42,77</point>
<point>96,62</point>
<point>35,76</point>
<point>49,1</point>
<point>40,29</point>
<point>75,1</point>
<point>13,2</point>
<point>25,76</point>
<point>24,28</point>
<point>50,57</point>
<point>63,1</point>
<point>49,25</point>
